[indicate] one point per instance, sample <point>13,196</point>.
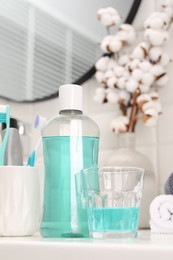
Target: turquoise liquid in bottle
<point>70,144</point>
<point>64,157</point>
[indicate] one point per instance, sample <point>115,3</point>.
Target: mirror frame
<point>91,71</point>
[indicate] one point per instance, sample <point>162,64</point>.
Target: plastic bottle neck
<point>70,112</point>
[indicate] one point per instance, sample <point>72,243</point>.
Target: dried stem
<point>135,120</point>
<point>133,113</point>
<point>123,108</point>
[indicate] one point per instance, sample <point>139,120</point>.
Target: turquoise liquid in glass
<point>64,156</point>
<point>113,219</point>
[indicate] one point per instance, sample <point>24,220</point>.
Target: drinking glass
<point>113,196</point>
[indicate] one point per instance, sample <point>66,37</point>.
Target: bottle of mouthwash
<point>70,144</point>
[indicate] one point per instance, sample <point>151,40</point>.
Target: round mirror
<point>47,43</point>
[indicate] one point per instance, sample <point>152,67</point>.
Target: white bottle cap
<point>70,97</point>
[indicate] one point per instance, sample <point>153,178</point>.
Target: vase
<point>127,155</point>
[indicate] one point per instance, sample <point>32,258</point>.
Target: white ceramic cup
<point>19,200</point>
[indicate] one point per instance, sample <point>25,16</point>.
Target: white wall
<point>155,143</point>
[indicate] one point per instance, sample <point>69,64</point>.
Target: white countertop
<point>147,246</point>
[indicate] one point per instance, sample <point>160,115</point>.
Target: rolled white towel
<point>161,214</point>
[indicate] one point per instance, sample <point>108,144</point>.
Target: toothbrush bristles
<point>2,117</point>
<point>40,122</point>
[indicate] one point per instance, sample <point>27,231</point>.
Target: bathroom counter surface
<point>146,246</point>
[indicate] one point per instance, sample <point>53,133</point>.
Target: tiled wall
<point>155,143</point>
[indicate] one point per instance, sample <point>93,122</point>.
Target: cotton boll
<point>151,112</point>
<point>106,20</point>
<point>138,53</point>
<point>123,60</point>
<point>168,10</point>
<point>116,19</point>
<point>131,37</point>
<point>137,74</point>
<point>167,7</point>
<point>121,82</point>
<point>152,104</point>
<point>161,77</point>
<point>127,37</point>
<point>100,12</point>
<point>99,99</point>
<point>120,124</point>
<point>111,65</point>
<point>164,61</point>
<point>109,74</point>
<point>157,20</point>
<point>143,98</point>
<point>145,45</point>
<point>153,23</point>
<point>111,82</point>
<point>124,97</point>
<point>100,76</point>
<point>118,128</point>
<point>133,64</point>
<point>147,78</point>
<point>141,50</point>
<point>157,70</point>
<point>131,85</point>
<point>110,20</point>
<point>111,10</point>
<point>105,43</point>
<point>156,37</point>
<point>99,95</point>
<point>108,16</point>
<point>155,54</point>
<point>108,10</point>
<point>119,71</point>
<point>115,45</point>
<point>144,88</point>
<point>126,74</point>
<point>147,105</point>
<point>162,80</point>
<point>112,96</point>
<point>102,63</point>
<point>126,27</point>
<point>145,66</point>
<point>122,36</point>
<point>127,33</point>
<point>150,117</point>
<point>123,119</point>
<point>156,23</point>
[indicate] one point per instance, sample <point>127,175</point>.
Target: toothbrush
<point>39,123</point>
<point>33,156</point>
<point>4,118</point>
